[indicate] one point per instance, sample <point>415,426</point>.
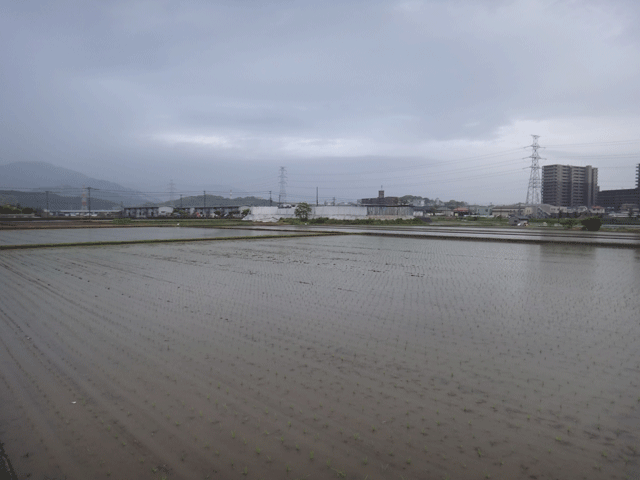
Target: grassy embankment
<point>414,221</point>
<point>184,222</point>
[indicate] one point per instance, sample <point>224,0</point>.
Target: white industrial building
<point>333,212</point>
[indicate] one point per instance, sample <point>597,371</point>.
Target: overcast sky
<point>430,98</point>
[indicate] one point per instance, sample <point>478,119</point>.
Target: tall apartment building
<point>569,186</point>
<point>615,199</point>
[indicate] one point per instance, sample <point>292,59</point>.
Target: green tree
<point>592,224</point>
<point>452,204</point>
<point>302,211</point>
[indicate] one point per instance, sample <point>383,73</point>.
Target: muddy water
<point>74,235</point>
<point>359,356</point>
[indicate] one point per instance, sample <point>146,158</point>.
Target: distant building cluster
<point>565,191</point>
<point>380,200</point>
<point>574,187</point>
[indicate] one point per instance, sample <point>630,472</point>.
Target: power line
<point>615,142</point>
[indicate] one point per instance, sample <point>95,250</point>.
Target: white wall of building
<point>334,212</point>
<point>269,214</point>
<point>339,212</point>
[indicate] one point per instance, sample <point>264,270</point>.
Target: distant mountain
<point>38,201</point>
<point>41,176</point>
<point>215,200</point>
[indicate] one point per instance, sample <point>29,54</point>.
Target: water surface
<point>74,235</point>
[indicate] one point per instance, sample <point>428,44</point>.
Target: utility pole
<point>535,184</point>
<point>282,198</point>
<point>89,199</point>
<point>270,202</point>
<point>180,201</point>
<point>316,196</point>
<point>47,195</point>
<point>205,201</point>
<point>171,191</point>
<point>83,205</point>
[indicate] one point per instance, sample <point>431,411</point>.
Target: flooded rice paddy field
<point>25,237</point>
<point>326,357</point>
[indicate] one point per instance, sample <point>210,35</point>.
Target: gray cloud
<point>168,88</point>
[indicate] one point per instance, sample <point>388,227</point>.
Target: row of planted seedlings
<point>391,353</point>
